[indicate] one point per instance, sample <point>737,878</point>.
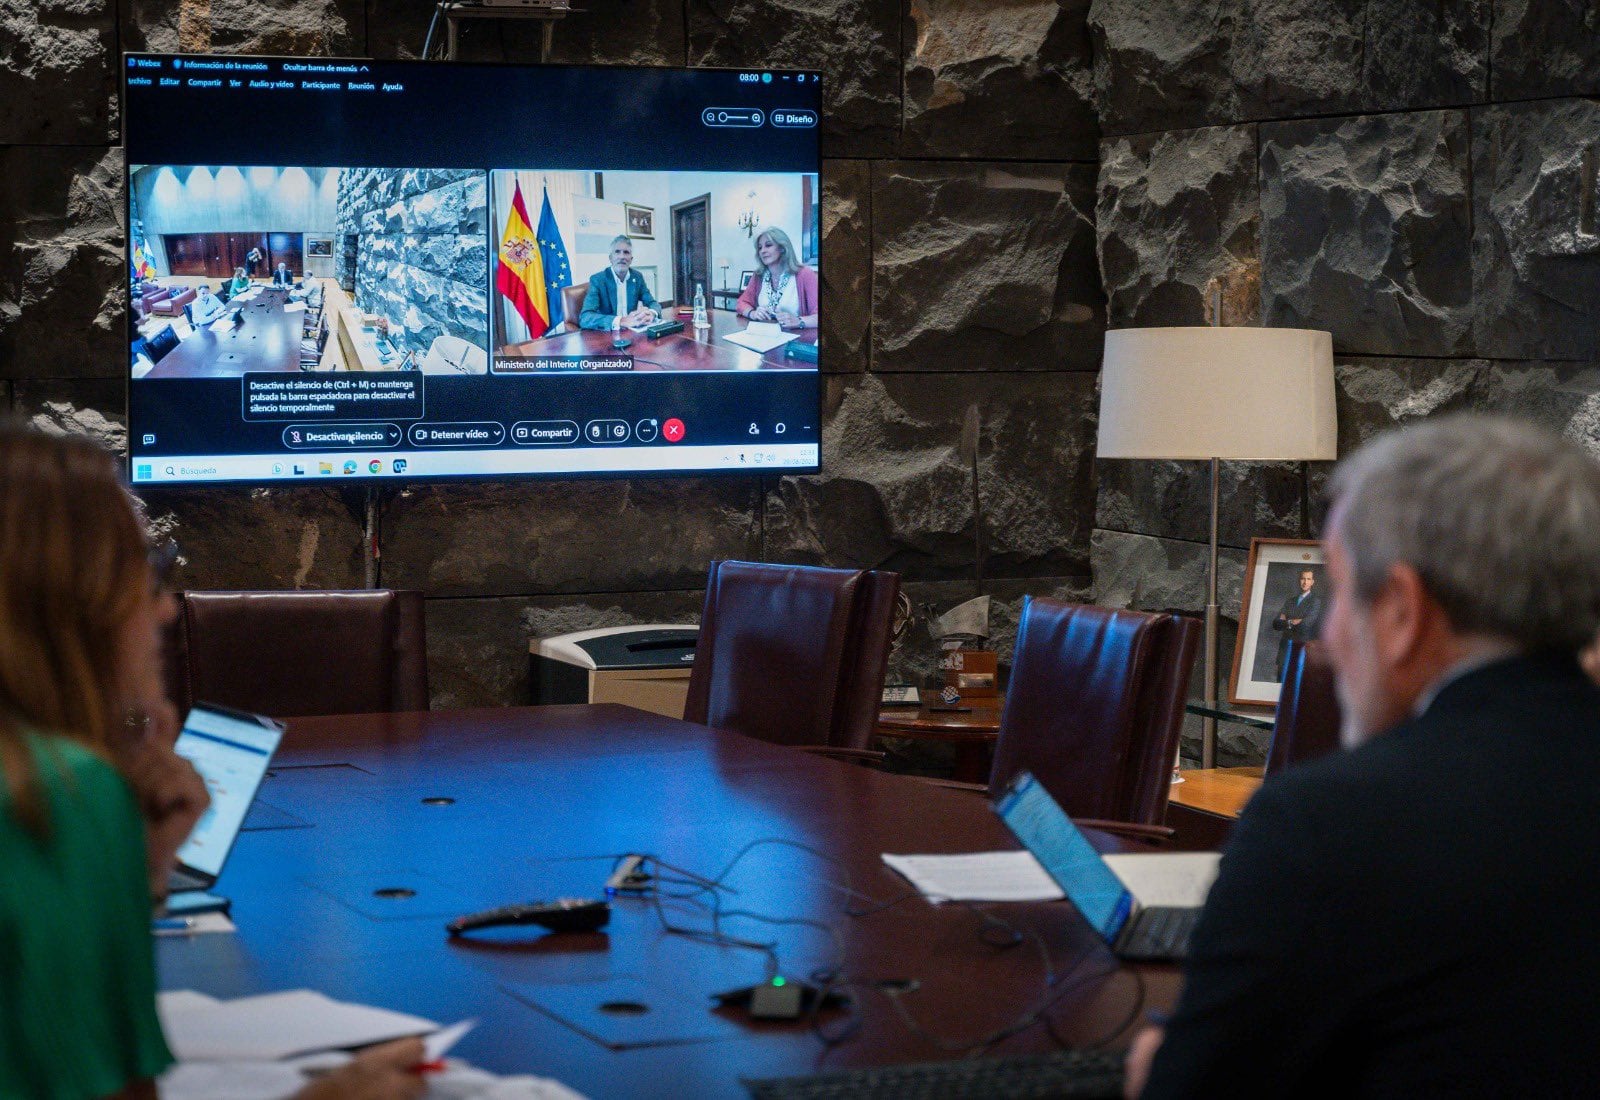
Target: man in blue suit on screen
<point>618,296</point>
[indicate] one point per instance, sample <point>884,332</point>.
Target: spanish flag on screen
<point>520,277</point>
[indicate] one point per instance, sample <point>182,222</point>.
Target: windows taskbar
<point>192,469</point>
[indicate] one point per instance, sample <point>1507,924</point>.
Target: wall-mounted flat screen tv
<point>357,269</point>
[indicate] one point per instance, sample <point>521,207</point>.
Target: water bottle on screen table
<point>700,318</point>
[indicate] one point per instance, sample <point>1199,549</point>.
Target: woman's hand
<point>386,1072</point>
<point>760,313</point>
<point>171,794</point>
<point>787,319</point>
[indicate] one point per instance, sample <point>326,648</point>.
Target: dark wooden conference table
<point>269,340</point>
<point>540,799</point>
<point>691,349</point>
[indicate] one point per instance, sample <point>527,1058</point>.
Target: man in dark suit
<point>1298,620</point>
<point>618,296</point>
<point>1415,916</point>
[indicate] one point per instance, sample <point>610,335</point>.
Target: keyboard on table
<point>1068,1073</point>
<point>1160,932</point>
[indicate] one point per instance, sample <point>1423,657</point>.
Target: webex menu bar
<point>359,268</point>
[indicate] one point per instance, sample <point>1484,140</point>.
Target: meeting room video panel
<point>299,308</point>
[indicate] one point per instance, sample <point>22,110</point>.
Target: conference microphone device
<point>780,998</point>
<point>663,328</point>
<point>561,915</point>
<point>619,343</point>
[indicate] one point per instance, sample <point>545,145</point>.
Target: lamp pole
<point>1208,724</point>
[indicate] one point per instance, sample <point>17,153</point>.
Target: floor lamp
<point>1263,394</point>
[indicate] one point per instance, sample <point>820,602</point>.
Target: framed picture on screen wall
<point>1285,599</point>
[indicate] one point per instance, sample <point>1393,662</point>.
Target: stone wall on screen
<point>1418,179</point>
<point>422,251</point>
<point>962,314</point>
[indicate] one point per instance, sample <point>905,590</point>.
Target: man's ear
<point>1400,615</point>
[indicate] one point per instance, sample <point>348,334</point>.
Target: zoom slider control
<point>733,116</point>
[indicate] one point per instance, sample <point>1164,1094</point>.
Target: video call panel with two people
<point>591,263</point>
<point>372,282</point>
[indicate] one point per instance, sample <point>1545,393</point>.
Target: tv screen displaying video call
<point>357,269</point>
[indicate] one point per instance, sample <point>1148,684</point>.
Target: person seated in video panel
<point>206,307</point>
<point>281,276</point>
<point>783,289</point>
<point>240,282</point>
<point>618,296</point>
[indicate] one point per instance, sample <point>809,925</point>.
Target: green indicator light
<point>777,982</point>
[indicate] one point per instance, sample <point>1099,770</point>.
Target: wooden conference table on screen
<point>269,340</point>
<point>539,800</point>
<point>691,349</point>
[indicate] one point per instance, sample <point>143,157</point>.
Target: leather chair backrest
<point>1308,718</point>
<point>1094,707</point>
<point>792,654</point>
<point>572,303</point>
<point>300,653</point>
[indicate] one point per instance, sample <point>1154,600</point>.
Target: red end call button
<point>672,430</point>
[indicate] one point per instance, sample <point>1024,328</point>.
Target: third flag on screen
<point>521,275</point>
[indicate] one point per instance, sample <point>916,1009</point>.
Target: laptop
<point>1133,932</point>
<point>231,750</point>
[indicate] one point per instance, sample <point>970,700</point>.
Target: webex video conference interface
<point>366,269</point>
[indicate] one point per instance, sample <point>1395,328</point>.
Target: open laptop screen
<point>1066,854</point>
<point>231,752</point>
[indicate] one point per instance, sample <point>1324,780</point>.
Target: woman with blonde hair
<point>94,803</point>
<point>783,289</point>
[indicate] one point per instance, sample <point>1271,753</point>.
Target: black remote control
<point>561,915</point>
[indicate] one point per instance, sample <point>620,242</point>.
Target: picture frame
<point>641,221</point>
<point>319,246</point>
<point>1274,591</point>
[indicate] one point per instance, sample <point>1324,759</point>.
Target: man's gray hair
<point>1499,518</point>
<point>621,237</point>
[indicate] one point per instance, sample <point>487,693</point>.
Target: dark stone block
<point>478,648</point>
<point>58,72</point>
<point>1190,63</point>
<point>985,267</point>
<point>1179,222</point>
<point>229,537</point>
<point>93,407</point>
<point>1545,48</point>
<point>62,289</point>
<point>573,536</point>
<point>1173,500</point>
<point>846,277</point>
<point>294,27</point>
<point>1375,395</point>
<point>996,81</point>
<point>1536,235</point>
<point>856,43</point>
<point>1365,231</point>
<point>897,489</point>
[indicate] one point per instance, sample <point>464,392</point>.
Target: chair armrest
<point>855,756</point>
<point>1150,834</point>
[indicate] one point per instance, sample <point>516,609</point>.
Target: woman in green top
<point>239,283</point>
<point>93,801</point>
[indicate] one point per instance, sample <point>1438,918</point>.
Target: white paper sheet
<point>977,876</point>
<point>294,307</point>
<point>761,336</point>
<point>1167,878</point>
<point>276,1025</point>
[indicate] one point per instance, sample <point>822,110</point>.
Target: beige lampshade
<point>1233,393</point>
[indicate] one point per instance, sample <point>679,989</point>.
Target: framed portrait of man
<point>1285,600</point>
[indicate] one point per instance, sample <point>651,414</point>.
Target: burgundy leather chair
<point>1308,718</point>
<point>298,653</point>
<point>1095,708</point>
<point>793,654</point>
<point>173,303</point>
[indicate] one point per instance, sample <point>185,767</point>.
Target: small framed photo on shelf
<point>1285,600</point>
<point>641,221</point>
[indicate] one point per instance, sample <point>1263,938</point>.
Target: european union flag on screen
<point>557,270</point>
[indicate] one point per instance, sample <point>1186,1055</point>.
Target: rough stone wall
<point>1358,166</point>
<point>422,250</point>
<point>961,305</point>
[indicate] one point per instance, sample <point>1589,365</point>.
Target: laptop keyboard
<point>1161,932</point>
<point>178,882</point>
<point>1071,1073</point>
